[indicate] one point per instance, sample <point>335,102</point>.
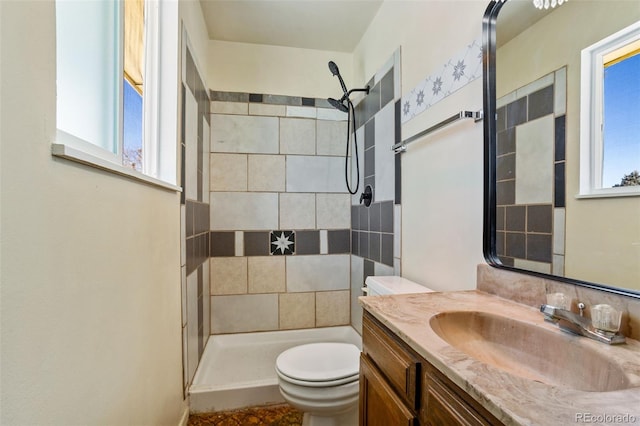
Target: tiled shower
<point>272,240</point>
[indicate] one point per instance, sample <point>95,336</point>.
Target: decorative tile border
<point>457,72</point>
<point>269,99</point>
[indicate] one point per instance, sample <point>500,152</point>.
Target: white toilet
<point>322,379</point>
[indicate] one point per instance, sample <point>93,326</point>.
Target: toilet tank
<point>381,285</point>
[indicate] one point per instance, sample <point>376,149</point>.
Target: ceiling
<point>334,25</point>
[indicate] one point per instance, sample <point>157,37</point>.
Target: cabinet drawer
<point>397,364</point>
<point>379,404</point>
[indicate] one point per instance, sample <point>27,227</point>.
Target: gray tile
<point>386,250</point>
<point>190,218</point>
<point>501,119</point>
<point>506,141</point>
<point>369,134</point>
<point>500,243</point>
<point>500,221</point>
<point>229,96</point>
<point>515,218</point>
<point>374,246</point>
<point>339,241</point>
<point>371,181</point>
<point>256,243</point>
<point>398,179</point>
<point>355,243</point>
<point>222,244</point>
<point>255,97</point>
<point>369,269</point>
<point>559,188</point>
<point>541,103</point>
<point>540,218</point>
<point>355,217</point>
<point>506,192</point>
<point>515,244</point>
<point>560,137</point>
<point>307,242</point>
<point>386,216</point>
<point>363,244</point>
<point>323,103</point>
<point>517,112</point>
<point>308,102</point>
<point>369,162</point>
<point>506,167</point>
<point>386,88</point>
<point>374,217</point>
<point>506,261</point>
<point>364,217</point>
<point>539,247</point>
<point>282,100</point>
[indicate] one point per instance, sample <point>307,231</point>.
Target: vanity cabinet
<point>399,387</point>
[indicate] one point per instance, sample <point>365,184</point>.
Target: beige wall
<point>90,271</point>
<point>276,70</point>
<point>441,174</point>
<point>610,255</point>
<point>195,26</point>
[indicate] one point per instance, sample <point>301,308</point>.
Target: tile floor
<point>273,415</point>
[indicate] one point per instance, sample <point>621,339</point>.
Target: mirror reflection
<point>566,199</point>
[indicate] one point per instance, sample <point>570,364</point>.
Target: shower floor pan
<point>238,370</point>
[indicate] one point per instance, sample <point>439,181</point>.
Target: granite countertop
<point>512,399</point>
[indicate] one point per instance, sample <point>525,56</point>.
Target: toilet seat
<point>319,364</point>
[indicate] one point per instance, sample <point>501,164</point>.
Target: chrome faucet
<point>577,324</point>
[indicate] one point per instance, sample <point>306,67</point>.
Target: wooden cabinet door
<point>379,405</point>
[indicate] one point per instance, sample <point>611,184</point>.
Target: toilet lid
<point>320,362</point>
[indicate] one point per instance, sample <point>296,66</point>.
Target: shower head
<point>339,105</point>
<point>336,72</point>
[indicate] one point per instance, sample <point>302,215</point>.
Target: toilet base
<point>349,418</point>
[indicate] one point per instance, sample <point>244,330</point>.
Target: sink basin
<point>529,351</point>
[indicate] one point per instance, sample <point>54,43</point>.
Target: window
<point>610,111</point>
<point>115,110</point>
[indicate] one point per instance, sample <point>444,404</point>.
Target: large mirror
<point>552,206</point>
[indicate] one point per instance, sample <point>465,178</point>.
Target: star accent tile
<point>282,242</point>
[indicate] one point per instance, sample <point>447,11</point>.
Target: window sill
<point>611,193</point>
<point>78,156</point>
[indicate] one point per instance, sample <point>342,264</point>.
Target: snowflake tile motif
<point>282,243</point>
<point>461,69</point>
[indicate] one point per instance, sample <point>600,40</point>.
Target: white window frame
<point>160,108</point>
<point>592,114</point>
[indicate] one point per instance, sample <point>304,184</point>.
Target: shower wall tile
<point>331,138</point>
<point>244,134</point>
<point>229,313</point>
<point>297,136</point>
<point>315,174</point>
<point>307,112</point>
<point>297,211</point>
<point>267,274</point>
<point>266,173</point>
<point>256,243</point>
<point>228,275</point>
<point>331,114</point>
<point>228,172</point>
<point>222,244</point>
<point>324,241</point>
<point>235,108</point>
<point>269,110</point>
<point>308,242</point>
<point>192,324</point>
<point>332,308</point>
<point>382,270</point>
<point>384,156</point>
<point>297,310</point>
<point>247,211</point>
<point>317,273</point>
<point>191,145</point>
<point>355,198</point>
<point>534,161</point>
<point>357,282</point>
<point>333,211</point>
<point>339,241</point>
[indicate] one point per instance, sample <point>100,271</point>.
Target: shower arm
<point>365,89</point>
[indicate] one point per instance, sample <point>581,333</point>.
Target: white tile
<point>266,173</point>
<point>504,100</point>
<point>307,112</point>
<point>357,282</point>
<point>397,267</point>
<point>534,86</point>
<point>297,211</point>
<point>318,273</point>
<point>324,241</point>
<point>355,198</point>
<point>558,265</point>
<point>228,172</point>
<point>192,323</point>
<point>245,134</point>
<point>558,230</point>
<point>315,174</point>
<point>266,109</point>
<point>191,146</point>
<point>383,270</point>
<point>183,234</point>
<point>237,108</point>
<point>185,357</point>
<point>246,211</point>
<point>333,211</point>
<point>397,230</point>
<point>534,161</point>
<point>206,301</point>
<point>239,246</point>
<point>331,138</point>
<point>246,313</point>
<point>384,156</point>
<point>397,73</point>
<point>206,147</point>
<point>560,92</point>
<point>183,289</point>
<point>331,114</point>
<point>297,136</point>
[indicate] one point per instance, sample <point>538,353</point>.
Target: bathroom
<point>98,337</point>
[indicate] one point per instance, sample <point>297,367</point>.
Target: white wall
<point>90,267</point>
<point>276,70</point>
<point>441,174</point>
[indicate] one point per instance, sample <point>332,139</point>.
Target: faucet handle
<point>581,308</point>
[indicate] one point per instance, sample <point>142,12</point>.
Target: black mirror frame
<point>490,151</point>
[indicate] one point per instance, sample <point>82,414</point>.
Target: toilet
<point>322,379</point>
